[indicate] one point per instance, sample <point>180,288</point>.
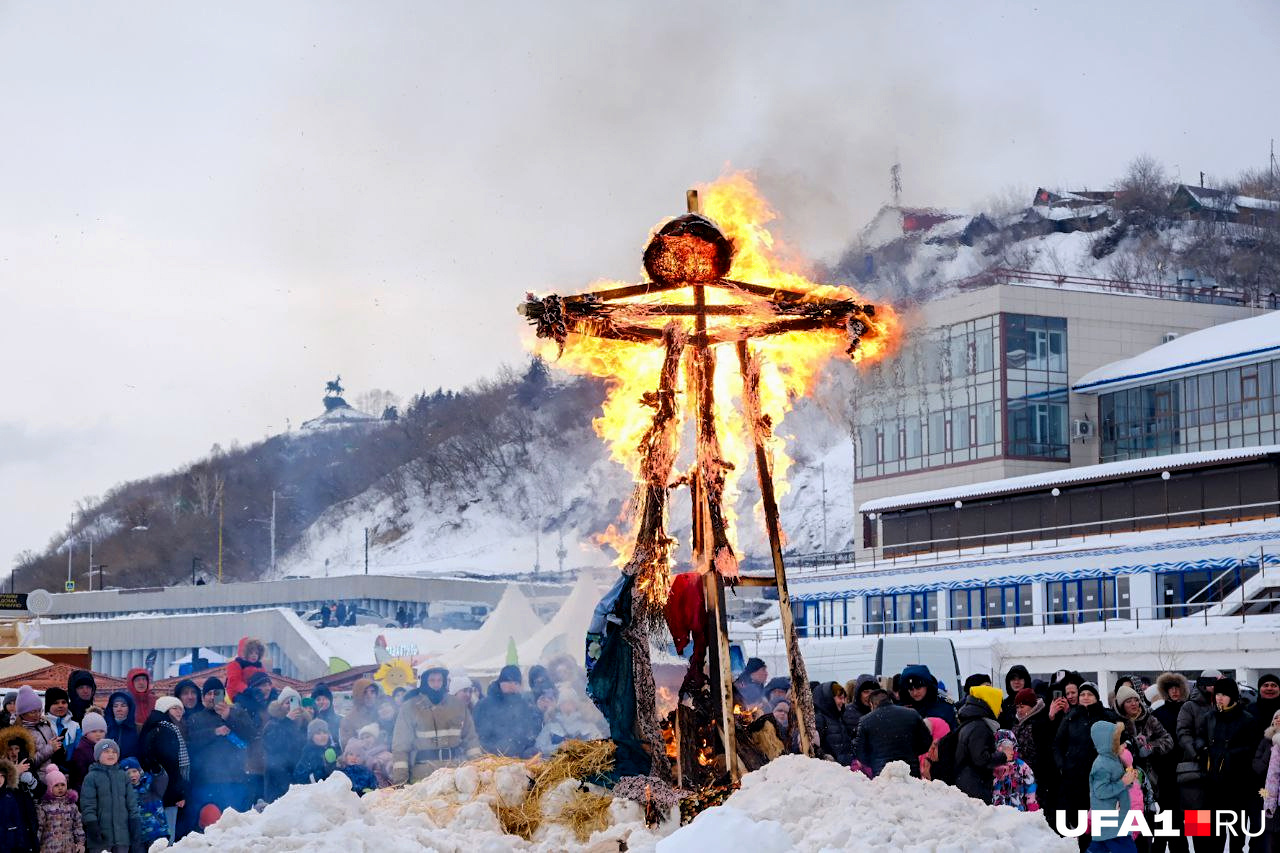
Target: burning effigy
<point>717,282</point>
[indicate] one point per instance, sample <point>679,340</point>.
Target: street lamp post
<point>1164,475</point>
<point>958,505</point>
<point>1057,519</point>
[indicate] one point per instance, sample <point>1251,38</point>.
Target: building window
<point>1000,606</point>
<point>1184,593</point>
<point>903,613</point>
<point>1035,392</point>
<point>1211,411</point>
<point>1091,600</point>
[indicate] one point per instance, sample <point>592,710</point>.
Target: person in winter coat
<point>218,736</point>
<point>248,660</point>
<point>48,746</point>
<point>1074,749</point>
<point>57,710</point>
<point>750,683</point>
<point>17,744</point>
<point>1172,690</point>
<point>188,693</point>
<point>1109,783</point>
<point>918,690</point>
<point>352,765</point>
<point>891,733</point>
<point>58,817</point>
<point>318,758</point>
<point>283,740</point>
<point>322,709</point>
<point>859,693</point>
<point>1266,766</point>
<point>1265,706</point>
<point>930,760</point>
<point>138,684</point>
<point>566,722</point>
<point>433,729</point>
<point>81,688</point>
<point>163,746</point>
<point>255,700</point>
<point>152,824</point>
<point>834,738</point>
<point>1144,733</point>
<point>7,713</point>
<point>365,698</point>
<point>976,755</point>
<point>506,721</point>
<point>1229,755</point>
<point>1014,782</point>
<point>108,803</point>
<point>1192,734</point>
<point>121,727</point>
<point>1015,679</point>
<point>775,689</point>
<point>18,820</point>
<point>1034,733</point>
<point>94,730</point>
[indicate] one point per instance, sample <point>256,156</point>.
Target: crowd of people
<point>78,774</point>
<point>1062,743</point>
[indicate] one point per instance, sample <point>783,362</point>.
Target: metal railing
<point>1035,622</point>
<point>1053,536</point>
<point>1200,293</point>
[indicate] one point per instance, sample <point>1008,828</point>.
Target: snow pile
<point>797,803</point>
<point>450,812</point>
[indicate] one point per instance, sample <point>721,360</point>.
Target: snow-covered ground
<point>794,803</point>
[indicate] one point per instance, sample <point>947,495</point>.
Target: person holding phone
<point>283,740</point>
<point>1034,732</point>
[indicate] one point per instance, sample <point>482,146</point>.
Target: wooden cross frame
<point>691,253</point>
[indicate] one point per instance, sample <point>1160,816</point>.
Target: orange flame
<point>790,364</point>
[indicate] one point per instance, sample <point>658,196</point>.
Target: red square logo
<point>1197,823</point>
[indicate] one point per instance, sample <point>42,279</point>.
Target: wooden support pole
<point>795,662</point>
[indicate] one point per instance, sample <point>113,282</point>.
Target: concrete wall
<point>381,593</point>
<point>121,644</point>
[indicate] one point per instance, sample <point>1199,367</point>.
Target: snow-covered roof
<point>1069,476</point>
<point>1219,200</point>
<point>339,417</point>
<point>1253,339</point>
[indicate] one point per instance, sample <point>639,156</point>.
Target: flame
<point>789,364</point>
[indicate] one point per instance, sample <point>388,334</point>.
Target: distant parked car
<point>363,617</point>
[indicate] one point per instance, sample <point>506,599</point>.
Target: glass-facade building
<point>1233,407</point>
<point>992,387</point>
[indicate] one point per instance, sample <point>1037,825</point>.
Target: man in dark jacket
<point>255,699</point>
<point>891,733</point>
<point>188,693</point>
<point>918,690</point>
<point>1014,680</point>
<point>507,723</point>
<point>750,684</point>
<point>976,754</point>
<point>81,688</point>
<point>834,737</point>
<point>218,735</point>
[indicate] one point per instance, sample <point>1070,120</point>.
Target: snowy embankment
<point>793,803</point>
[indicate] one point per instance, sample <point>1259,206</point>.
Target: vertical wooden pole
<point>795,662</point>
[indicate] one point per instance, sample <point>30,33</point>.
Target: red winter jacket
<point>144,703</point>
<point>686,614</point>
<point>239,670</point>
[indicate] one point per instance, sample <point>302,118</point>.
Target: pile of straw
<point>574,760</point>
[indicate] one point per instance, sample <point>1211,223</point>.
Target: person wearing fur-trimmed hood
<point>1266,765</point>
<point>18,820</point>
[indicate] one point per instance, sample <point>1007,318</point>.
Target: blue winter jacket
<point>1107,789</point>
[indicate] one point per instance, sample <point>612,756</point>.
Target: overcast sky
<point>207,210</point>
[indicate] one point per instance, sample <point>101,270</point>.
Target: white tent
<point>512,619</point>
<point>214,659</point>
<point>564,633</point>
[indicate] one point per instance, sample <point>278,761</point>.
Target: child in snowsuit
<point>93,729</point>
<point>108,803</point>
<point>18,819</point>
<point>1015,784</point>
<point>60,828</point>
<point>150,804</point>
<point>319,758</point>
<point>1109,784</point>
<point>352,764</point>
